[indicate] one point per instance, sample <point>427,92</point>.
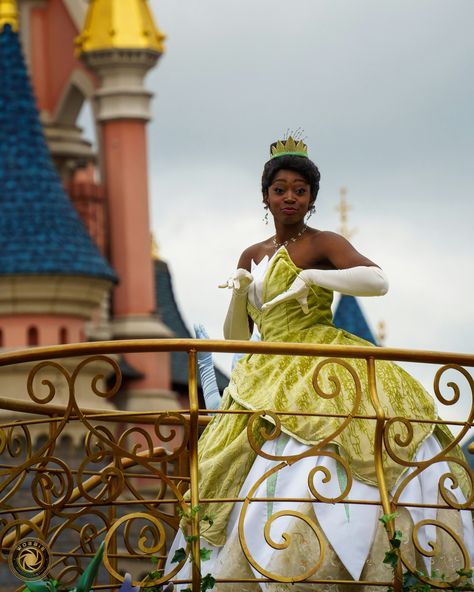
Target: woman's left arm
<point>354,274</point>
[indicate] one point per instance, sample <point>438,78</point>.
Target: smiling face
<point>288,196</point>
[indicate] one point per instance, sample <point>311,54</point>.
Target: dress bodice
<point>273,277</point>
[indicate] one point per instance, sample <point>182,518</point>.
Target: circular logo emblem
<point>29,559</point>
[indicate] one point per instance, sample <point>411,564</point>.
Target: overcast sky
<point>385,94</point>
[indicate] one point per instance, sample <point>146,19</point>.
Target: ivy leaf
<point>190,538</point>
<point>209,518</point>
<point>386,518</point>
<point>205,554</point>
<point>391,558</point>
<point>179,555</point>
<point>154,575</point>
<point>396,540</point>
<point>464,573</point>
<point>182,513</point>
<point>195,510</point>
<point>207,583</point>
<point>154,559</point>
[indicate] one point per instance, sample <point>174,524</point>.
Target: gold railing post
<point>378,460</point>
<point>112,550</point>
<point>193,468</point>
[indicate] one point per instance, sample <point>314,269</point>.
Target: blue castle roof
<point>40,231</point>
<point>170,314</point>
<point>349,316</point>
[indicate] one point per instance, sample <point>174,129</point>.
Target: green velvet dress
<point>285,384</point>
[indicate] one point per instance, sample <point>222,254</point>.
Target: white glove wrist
<point>236,324</point>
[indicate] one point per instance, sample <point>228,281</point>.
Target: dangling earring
<point>311,211</point>
<point>265,218</point>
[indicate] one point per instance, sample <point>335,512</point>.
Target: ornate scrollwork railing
<point>74,476</point>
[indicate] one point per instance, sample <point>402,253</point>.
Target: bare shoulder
<point>328,238</point>
<point>338,250</point>
<point>253,253</point>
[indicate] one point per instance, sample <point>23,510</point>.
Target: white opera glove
<point>236,324</point>
<point>355,281</point>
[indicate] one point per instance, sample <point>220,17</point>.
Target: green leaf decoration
<point>209,518</point>
<point>396,540</point>
<point>182,514</point>
<point>464,573</point>
<point>391,558</point>
<point>386,518</point>
<point>207,582</point>
<point>205,554</point>
<point>155,574</point>
<point>87,579</point>
<point>179,555</point>
<point>43,586</point>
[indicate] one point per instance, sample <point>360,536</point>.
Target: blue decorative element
<point>127,585</point>
<point>349,316</point>
<point>40,231</point>
<point>170,314</point>
<point>207,372</point>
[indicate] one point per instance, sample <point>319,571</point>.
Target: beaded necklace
<point>292,239</point>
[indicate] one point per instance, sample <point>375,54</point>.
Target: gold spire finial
<point>8,14</point>
<point>120,24</point>
<point>343,208</point>
<point>155,250</point>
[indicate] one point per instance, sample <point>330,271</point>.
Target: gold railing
<point>73,476</point>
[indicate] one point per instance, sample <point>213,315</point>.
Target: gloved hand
<point>210,390</point>
<point>239,282</point>
<point>355,281</point>
<point>236,324</point>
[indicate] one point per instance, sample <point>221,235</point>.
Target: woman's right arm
<point>237,322</point>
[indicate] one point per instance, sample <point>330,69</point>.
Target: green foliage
<point>464,573</point>
<point>179,555</point>
<point>155,574</point>
<point>205,522</point>
<point>205,554</point>
<point>207,583</point>
<point>386,518</point>
<point>413,583</point>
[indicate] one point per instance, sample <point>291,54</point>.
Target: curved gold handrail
<point>231,346</point>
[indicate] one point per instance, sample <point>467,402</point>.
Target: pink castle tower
<point>118,43</point>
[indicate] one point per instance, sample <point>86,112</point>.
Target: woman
<point>285,285</point>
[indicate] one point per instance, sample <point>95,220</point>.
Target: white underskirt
<point>350,528</point>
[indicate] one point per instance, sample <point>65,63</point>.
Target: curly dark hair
<point>299,164</point>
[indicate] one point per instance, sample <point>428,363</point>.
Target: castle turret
<point>44,247</point>
<point>52,275</point>
<point>120,43</point>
